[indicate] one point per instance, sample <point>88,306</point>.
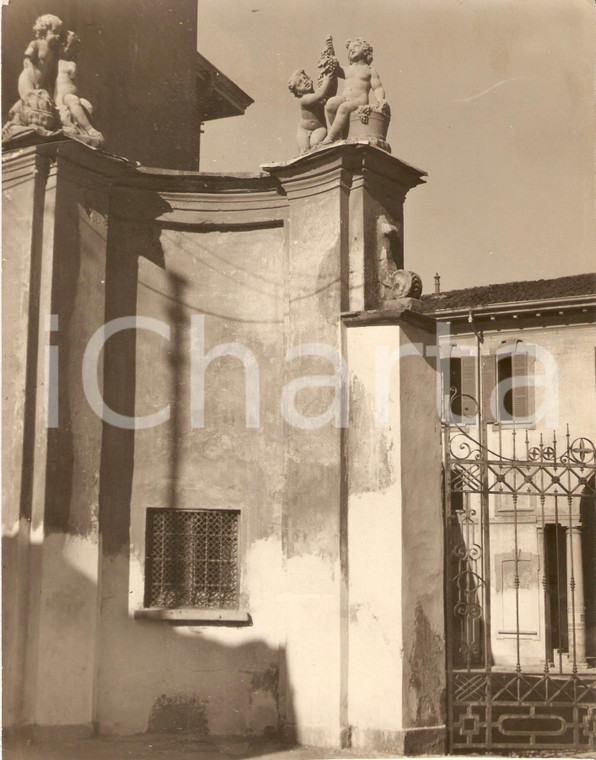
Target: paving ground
<point>147,747</point>
<point>173,748</point>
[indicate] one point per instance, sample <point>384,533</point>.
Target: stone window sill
<point>192,616</point>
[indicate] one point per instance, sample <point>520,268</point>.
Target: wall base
<point>314,737</point>
<point>409,741</point>
<point>42,734</point>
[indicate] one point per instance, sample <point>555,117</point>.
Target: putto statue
<point>361,79</point>
<point>35,111</point>
<point>49,104</point>
<point>360,114</point>
<point>312,128</point>
<point>74,111</point>
<point>41,56</point>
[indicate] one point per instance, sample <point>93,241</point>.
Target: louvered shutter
<point>445,364</point>
<point>489,382</point>
<point>468,386</point>
<point>521,372</point>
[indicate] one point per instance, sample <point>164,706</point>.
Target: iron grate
<point>192,558</point>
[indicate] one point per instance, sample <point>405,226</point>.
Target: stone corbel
<point>394,284</point>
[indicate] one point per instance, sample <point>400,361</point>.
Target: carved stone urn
<point>370,124</point>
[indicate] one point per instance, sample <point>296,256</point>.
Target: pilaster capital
<point>347,165</point>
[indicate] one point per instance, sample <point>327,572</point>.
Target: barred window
<point>192,558</point>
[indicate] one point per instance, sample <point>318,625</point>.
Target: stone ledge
<point>390,315</point>
<point>352,148</point>
<point>191,616</point>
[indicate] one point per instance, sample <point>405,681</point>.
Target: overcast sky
<point>493,98</point>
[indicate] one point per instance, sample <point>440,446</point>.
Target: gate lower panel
<point>504,711</point>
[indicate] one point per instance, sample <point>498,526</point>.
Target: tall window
<point>459,390</point>
<point>505,381</point>
<point>192,558</point>
<point>508,385</point>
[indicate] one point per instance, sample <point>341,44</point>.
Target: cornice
<point>348,165</point>
<point>203,211</point>
<point>311,175</point>
<point>169,197</point>
<point>27,163</point>
<point>389,317</point>
<point>18,165</point>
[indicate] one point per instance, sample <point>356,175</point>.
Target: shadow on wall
<point>157,676</point>
<point>74,656</point>
<point>153,677</point>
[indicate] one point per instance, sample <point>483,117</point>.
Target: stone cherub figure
<point>35,111</point>
<point>49,102</point>
<point>312,128</point>
<point>41,56</point>
<point>74,111</point>
<point>360,80</point>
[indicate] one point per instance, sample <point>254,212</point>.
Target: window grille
<point>192,558</point>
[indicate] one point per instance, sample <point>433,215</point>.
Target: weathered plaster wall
<point>375,543</point>
<point>61,673</point>
<point>422,584</point>
<point>313,490</point>
<point>23,200</point>
<point>165,673</point>
<point>267,262</point>
<point>56,574</point>
<point>18,199</point>
<point>395,540</point>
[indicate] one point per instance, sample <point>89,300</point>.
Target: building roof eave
<point>537,307</point>
<point>219,96</point>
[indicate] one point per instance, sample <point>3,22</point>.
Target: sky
<point>493,98</point>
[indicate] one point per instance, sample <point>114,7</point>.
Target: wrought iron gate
<point>520,566</point>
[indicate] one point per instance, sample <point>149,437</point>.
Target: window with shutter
<point>522,375</point>
<point>469,402</point>
<point>447,373</point>
<point>459,389</point>
<point>489,383</point>
<point>504,388</point>
<point>507,385</point>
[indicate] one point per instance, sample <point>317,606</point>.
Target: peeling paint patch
<point>426,672</point>
<point>182,714</point>
<point>375,472</point>
<point>327,285</point>
<point>264,699</point>
<point>266,680</point>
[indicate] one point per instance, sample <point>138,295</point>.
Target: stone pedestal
<point>54,248</point>
<point>27,232</point>
<point>395,542</point>
<point>362,507</point>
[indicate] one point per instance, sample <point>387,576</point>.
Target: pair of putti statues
<point>325,116</point>
<point>49,101</point>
